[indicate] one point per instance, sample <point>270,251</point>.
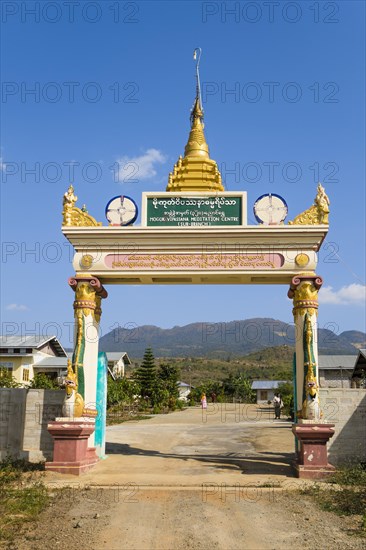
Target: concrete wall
<point>346,408</point>
<point>24,415</point>
<point>334,378</point>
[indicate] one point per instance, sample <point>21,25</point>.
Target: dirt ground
<point>229,518</point>
<point>186,482</point>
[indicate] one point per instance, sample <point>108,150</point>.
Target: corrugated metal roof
<point>116,356</point>
<point>33,341</point>
<point>267,384</point>
<point>52,362</point>
<point>336,361</point>
<point>22,341</point>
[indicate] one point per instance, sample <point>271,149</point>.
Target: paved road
<point>227,444</point>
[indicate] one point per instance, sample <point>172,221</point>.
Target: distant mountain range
<point>220,340</point>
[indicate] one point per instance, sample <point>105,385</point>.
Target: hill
<point>223,340</point>
<point>268,364</point>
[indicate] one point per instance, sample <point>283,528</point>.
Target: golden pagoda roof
<point>197,145</point>
<point>196,171</point>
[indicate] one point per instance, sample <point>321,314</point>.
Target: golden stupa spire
<point>196,171</point>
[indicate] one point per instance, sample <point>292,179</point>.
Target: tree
<point>169,376</point>
<point>146,374</point>
<point>7,380</point>
<point>286,389</point>
<point>239,387</point>
<point>121,391</point>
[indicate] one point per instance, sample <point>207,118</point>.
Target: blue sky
<point>114,82</point>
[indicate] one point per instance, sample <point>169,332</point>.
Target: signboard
<point>194,209</point>
<point>184,262</point>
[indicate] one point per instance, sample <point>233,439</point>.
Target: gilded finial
<point>196,171</point>
<point>197,146</point>
<point>197,106</point>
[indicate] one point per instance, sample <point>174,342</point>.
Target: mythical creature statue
<point>310,406</point>
<point>318,213</point>
<point>73,405</point>
<point>73,216</point>
<point>68,204</point>
<point>322,202</point>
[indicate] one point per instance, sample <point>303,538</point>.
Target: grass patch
<point>344,493</point>
<point>119,414</point>
<point>352,475</point>
<point>270,484</point>
<point>23,496</point>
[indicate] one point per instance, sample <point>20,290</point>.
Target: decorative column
<point>87,311</point>
<point>74,433</point>
<point>304,292</point>
<point>310,429</point>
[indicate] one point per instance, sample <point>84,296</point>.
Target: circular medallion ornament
<point>121,210</point>
<point>302,260</point>
<point>270,209</point>
<point>86,261</point>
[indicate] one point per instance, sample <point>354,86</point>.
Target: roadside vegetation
<point>151,385</point>
<point>7,380</point>
<point>153,389</point>
<point>23,496</point>
<point>344,493</point>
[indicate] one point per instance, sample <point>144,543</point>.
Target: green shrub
<point>121,391</point>
<point>18,504</point>
<point>7,379</point>
<point>43,382</point>
<point>354,474</point>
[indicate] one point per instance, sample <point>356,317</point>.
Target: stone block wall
<point>24,415</point>
<point>334,378</point>
<point>346,408</point>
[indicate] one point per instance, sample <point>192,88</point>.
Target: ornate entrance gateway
<point>196,233</point>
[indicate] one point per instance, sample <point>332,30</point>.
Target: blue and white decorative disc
<point>121,210</point>
<point>270,209</point>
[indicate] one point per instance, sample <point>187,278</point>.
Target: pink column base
<point>71,454</point>
<point>312,460</point>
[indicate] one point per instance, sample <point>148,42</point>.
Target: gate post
<point>89,293</point>
<point>310,430</point>
<point>304,293</point>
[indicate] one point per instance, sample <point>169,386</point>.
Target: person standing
<point>278,404</point>
<point>203,401</point>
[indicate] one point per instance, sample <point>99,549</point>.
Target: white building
<point>25,356</point>
<point>184,390</point>
<point>266,389</point>
<point>117,362</point>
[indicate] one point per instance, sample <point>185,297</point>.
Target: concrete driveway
<point>228,443</point>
